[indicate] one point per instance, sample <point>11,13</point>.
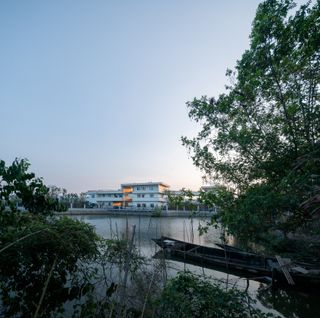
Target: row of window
<point>105,195</point>
<point>144,195</point>
<point>138,188</point>
<point>144,205</point>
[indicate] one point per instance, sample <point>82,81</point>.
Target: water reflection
<point>148,228</point>
<point>291,303</point>
<point>288,303</point>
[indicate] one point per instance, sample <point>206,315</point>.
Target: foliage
<point>189,201</point>
<point>175,200</point>
<point>156,213</point>
<point>116,251</point>
<point>65,199</point>
<point>144,288</point>
<point>188,295</point>
<point>43,260</point>
<point>217,196</point>
<point>18,186</point>
<point>36,246</point>
<point>74,199</point>
<point>181,199</point>
<point>261,137</point>
<point>58,194</point>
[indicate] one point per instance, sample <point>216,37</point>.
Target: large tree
<point>44,260</point>
<point>261,137</point>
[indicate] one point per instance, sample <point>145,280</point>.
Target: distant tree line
<point>67,200</point>
<point>186,199</point>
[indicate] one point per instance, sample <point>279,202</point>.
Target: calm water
<point>287,303</point>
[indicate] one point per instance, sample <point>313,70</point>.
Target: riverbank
<point>131,212</point>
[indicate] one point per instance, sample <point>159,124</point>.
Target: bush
<point>188,295</point>
<point>156,213</point>
<point>43,263</point>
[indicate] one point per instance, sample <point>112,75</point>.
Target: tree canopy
<point>42,258</point>
<point>18,186</point>
<point>261,137</point>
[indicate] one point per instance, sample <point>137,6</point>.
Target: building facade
<point>148,195</point>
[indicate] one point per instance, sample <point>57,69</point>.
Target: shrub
<point>188,295</point>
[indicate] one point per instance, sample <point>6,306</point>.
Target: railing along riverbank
<point>136,212</point>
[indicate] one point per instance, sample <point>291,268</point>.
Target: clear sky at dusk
<point>93,92</point>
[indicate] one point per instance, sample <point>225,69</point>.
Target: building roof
<point>104,191</point>
<point>144,184</point>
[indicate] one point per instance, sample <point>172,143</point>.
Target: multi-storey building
<point>105,198</point>
<point>135,195</point>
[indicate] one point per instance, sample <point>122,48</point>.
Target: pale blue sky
<point>93,92</point>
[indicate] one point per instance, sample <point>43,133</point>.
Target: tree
<point>18,186</point>
<point>44,257</point>
<point>44,260</point>
<point>182,199</point>
<point>175,199</point>
<point>255,135</point>
<point>189,200</point>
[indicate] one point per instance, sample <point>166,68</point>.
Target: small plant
<point>115,251</point>
<point>156,213</point>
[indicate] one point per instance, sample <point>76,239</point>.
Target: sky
<point>93,93</point>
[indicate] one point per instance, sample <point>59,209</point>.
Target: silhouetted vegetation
<point>261,139</point>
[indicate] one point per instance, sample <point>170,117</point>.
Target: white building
<point>105,198</point>
<point>147,195</point>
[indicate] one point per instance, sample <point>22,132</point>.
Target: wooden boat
<point>232,248</point>
<point>233,260</point>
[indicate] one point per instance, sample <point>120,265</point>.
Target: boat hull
<point>243,264</point>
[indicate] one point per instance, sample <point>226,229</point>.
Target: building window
<point>151,195</point>
<point>144,205</point>
<point>138,188</point>
<point>143,188</point>
<point>151,205</point>
<point>138,205</point>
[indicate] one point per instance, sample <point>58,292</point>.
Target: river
<point>286,303</point>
